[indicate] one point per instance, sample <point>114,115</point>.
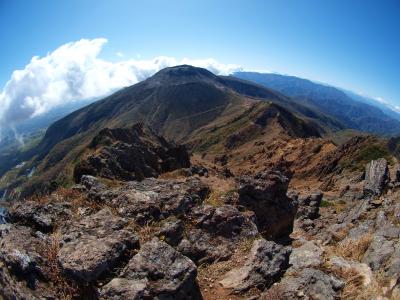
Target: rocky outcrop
<point>131,154</point>
<point>155,199</point>
<point>224,221</point>
<point>311,283</point>
<point>94,245</point>
<point>156,272</point>
<point>41,216</point>
<point>309,206</point>
<point>266,263</point>
<point>172,232</point>
<point>376,177</point>
<point>265,194</point>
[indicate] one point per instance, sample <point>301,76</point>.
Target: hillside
<point>174,102</point>
<point>336,103</point>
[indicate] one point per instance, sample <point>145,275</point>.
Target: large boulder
<point>20,252</point>
<point>155,199</point>
<point>309,206</point>
<point>95,245</point>
<point>156,272</point>
<point>225,221</point>
<point>38,215</point>
<point>266,264</point>
<point>310,284</point>
<point>131,154</point>
<point>202,247</point>
<point>376,177</point>
<point>265,194</point>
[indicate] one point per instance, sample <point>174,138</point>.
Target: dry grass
<point>340,234</point>
<point>215,198</point>
<point>354,248</point>
<point>65,288</point>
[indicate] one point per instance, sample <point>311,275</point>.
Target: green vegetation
<point>326,203</point>
<point>364,155</point>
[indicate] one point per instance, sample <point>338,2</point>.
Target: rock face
<point>266,263</point>
<point>311,283</point>
<point>309,206</point>
<point>131,154</point>
<point>155,199</point>
<point>265,194</point>
<point>376,177</point>
<point>40,216</point>
<point>156,272</point>
<point>95,245</point>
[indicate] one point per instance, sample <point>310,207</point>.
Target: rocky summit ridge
<point>250,199</point>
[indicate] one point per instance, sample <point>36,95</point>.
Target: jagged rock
<point>265,194</point>
<point>19,251</point>
<point>40,216</point>
<point>3,215</point>
<point>379,252</point>
<point>131,154</point>
<point>311,284</point>
<point>309,206</point>
<point>95,245</point>
<point>347,266</point>
<point>201,247</point>
<point>199,170</point>
<point>266,263</point>
<point>172,232</point>
<point>154,199</point>
<point>225,220</point>
<point>156,272</point>
<point>307,255</point>
<point>376,177</point>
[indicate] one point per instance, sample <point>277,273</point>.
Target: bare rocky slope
<point>203,232</point>
<point>264,206</point>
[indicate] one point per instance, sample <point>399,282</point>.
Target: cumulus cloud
<point>74,72</point>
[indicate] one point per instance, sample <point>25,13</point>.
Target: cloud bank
<point>74,72</point>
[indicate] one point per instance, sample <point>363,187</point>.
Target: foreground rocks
<point>156,272</point>
<point>95,245</point>
<point>265,265</point>
<point>169,239</point>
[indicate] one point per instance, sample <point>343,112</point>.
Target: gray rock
<point>306,256</point>
<point>361,268</point>
<point>95,245</point>
<point>155,199</point>
<point>265,194</point>
<point>379,251</point>
<point>157,272</point>
<point>19,251</point>
<point>172,232</point>
<point>309,206</point>
<point>266,263</point>
<point>38,215</point>
<point>225,220</point>
<point>311,284</point>
<point>201,247</point>
<point>376,177</point>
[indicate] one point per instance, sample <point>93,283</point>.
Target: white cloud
<point>74,72</point>
<point>120,54</point>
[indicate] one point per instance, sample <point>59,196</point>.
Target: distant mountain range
<point>348,108</point>
<point>193,106</point>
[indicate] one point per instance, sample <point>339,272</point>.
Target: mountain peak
<point>182,74</point>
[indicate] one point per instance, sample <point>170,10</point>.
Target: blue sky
<point>353,44</point>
